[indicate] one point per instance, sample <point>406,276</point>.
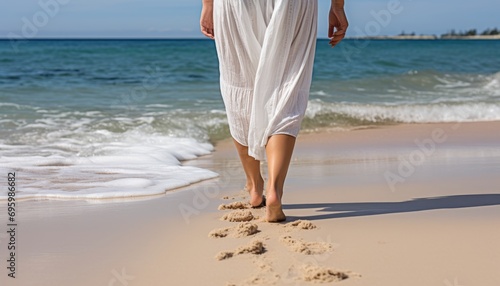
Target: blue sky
<point>179,18</point>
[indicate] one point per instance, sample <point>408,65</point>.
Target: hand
<point>207,19</point>
<point>337,22</point>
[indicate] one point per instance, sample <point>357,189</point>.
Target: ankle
<point>255,186</point>
<point>273,197</point>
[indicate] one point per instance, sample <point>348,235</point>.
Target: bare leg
<point>255,183</point>
<point>279,151</point>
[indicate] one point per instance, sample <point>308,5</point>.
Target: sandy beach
<point>394,205</point>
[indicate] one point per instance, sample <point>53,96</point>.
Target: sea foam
<point>134,165</point>
<point>403,113</point>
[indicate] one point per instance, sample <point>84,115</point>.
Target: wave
<point>321,113</point>
<point>411,87</point>
<point>96,154</point>
<point>131,164</point>
<point>413,97</point>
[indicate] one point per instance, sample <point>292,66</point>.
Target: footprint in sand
<point>234,206</point>
<point>265,274</point>
<point>300,224</point>
<point>241,230</point>
<point>238,216</point>
<point>220,232</point>
<point>255,247</point>
<point>319,274</point>
<point>309,248</point>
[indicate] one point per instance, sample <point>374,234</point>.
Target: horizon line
<point>114,38</point>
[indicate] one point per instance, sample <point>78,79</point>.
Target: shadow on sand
<point>342,210</point>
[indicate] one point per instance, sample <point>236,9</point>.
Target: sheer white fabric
<point>266,53</point>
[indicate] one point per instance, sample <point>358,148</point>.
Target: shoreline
<point>433,228</point>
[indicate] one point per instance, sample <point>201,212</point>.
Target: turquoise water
<point>95,104</point>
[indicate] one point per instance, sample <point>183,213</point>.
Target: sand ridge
<point>300,224</point>
<point>241,230</point>
<point>319,274</point>
<point>238,216</point>
<point>234,206</point>
<point>255,247</point>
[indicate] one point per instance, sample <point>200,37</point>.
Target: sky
<point>180,18</point>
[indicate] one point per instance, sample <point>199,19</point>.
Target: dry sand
<point>398,205</point>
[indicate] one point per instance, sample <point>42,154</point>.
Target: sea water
<point>94,119</point>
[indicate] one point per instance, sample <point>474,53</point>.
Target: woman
<point>266,53</point>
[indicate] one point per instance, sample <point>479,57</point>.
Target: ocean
<point>93,119</point>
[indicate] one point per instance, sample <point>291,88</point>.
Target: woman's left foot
<point>262,204</point>
<point>256,200</point>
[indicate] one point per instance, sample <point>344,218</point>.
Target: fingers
<point>336,39</point>
<point>209,32</point>
<point>207,21</point>
<point>331,29</point>
<point>207,28</point>
<point>339,34</point>
<point>336,36</point>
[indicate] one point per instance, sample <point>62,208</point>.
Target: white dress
<point>266,53</point>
